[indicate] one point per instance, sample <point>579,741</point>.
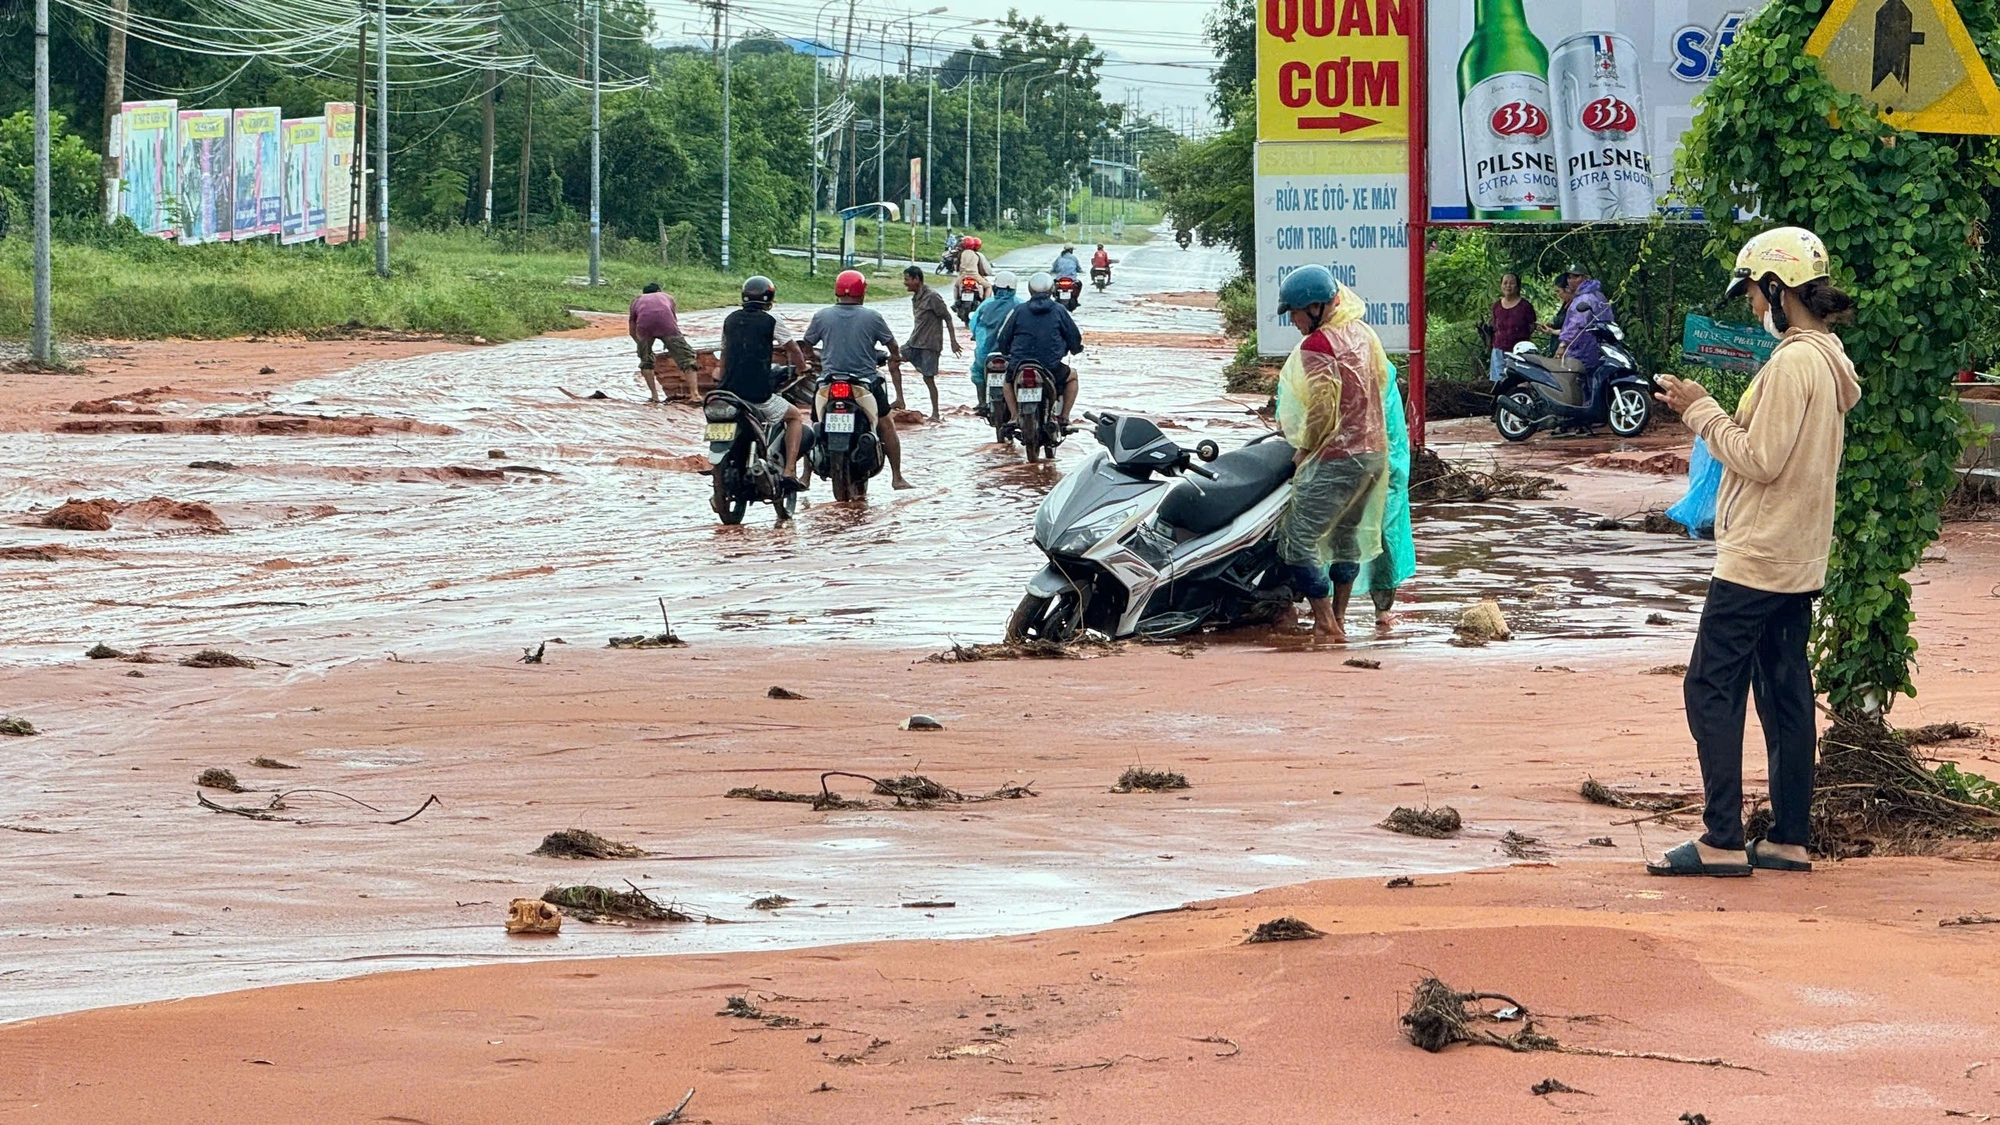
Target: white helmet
<point>1794,255</point>
<point>1041,283</point>
<point>1005,279</point>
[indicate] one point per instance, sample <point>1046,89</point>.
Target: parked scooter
<point>1068,289</point>
<point>747,461</point>
<point>1136,544</point>
<point>845,447</point>
<point>967,292</point>
<point>1100,276</point>
<point>1536,392</point>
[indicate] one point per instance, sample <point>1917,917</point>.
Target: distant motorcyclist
<point>748,337</point>
<point>987,320</point>
<point>949,260</point>
<point>1066,264</point>
<point>846,335</point>
<point>1101,260</point>
<point>973,264</point>
<point>1589,309</point>
<point>1041,332</point>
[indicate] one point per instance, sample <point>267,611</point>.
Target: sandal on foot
<point>1773,862</point>
<point>1686,860</point>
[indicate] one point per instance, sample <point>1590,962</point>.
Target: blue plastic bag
<point>1696,510</point>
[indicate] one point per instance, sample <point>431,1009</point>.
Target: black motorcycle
<point>747,460</point>
<point>1068,289</point>
<point>1185,238</point>
<point>846,449</point>
<point>994,408</point>
<point>1537,393</point>
<point>1100,276</point>
<point>967,299</point>
<point>1036,413</point>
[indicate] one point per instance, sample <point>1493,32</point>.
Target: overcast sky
<point>1154,52</point>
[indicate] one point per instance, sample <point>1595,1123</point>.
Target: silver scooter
<point>1149,539</point>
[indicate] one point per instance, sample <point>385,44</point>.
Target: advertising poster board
<point>257,196</point>
<point>1343,206</point>
<point>207,177</point>
<point>340,128</point>
<point>1725,347</point>
<point>149,192</point>
<point>1566,110</point>
<point>304,179</point>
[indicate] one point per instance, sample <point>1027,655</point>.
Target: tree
<point>1208,185</point>
<point>72,168</point>
<point>1900,213</point>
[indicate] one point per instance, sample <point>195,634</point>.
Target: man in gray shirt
<point>926,343</point>
<point>846,334</point>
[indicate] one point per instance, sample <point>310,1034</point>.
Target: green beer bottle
<point>1504,118</point>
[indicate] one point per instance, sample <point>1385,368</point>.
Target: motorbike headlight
<point>1082,537</point>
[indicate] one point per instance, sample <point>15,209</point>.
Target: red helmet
<point>850,284</point>
<point>971,243</point>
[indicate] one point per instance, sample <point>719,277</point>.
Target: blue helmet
<point>1306,286</point>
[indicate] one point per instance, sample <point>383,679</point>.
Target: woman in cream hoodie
<point>1780,455</point>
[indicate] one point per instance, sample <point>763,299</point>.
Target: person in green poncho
<point>1398,560</point>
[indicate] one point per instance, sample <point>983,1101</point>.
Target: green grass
<point>463,283</point>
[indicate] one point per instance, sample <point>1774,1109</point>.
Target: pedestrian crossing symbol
<point>1913,59</point>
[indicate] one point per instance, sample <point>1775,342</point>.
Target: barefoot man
<point>1330,407</point>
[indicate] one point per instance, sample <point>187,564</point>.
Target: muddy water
<point>342,546</point>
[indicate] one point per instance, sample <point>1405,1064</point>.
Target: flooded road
<point>357,530</point>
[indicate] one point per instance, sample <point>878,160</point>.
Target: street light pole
<point>382,139</point>
<point>725,136</point>
<point>999,111</point>
<point>881,143</point>
<point>39,345</point>
<point>596,137</point>
<point>812,130</point>
<point>930,104</point>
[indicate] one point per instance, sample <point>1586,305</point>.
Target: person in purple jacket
<point>652,318</point>
<point>1588,310</point>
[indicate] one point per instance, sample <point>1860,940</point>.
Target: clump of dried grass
<point>1140,779</point>
<point>587,903</point>
<point>1282,929</point>
<point>1435,824</point>
<point>581,843</point>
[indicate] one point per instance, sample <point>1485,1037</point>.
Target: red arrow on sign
<point>1345,123</point>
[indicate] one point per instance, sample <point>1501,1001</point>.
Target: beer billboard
<point>1566,110</point>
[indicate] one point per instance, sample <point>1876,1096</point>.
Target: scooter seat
<point>1243,477</point>
<point>1547,363</point>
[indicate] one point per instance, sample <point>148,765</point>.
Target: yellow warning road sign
<point>1914,59</point>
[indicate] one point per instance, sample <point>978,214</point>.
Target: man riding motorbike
<point>1066,264</point>
<point>987,320</point>
<point>1589,309</point>
<point>846,334</point>
<point>1100,262</point>
<point>1041,332</point>
<point>973,264</point>
<point>748,336</point>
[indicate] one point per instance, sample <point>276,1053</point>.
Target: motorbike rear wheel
<point>1631,411</point>
<point>843,483</point>
<point>730,510</point>
<point>1512,427</point>
<point>1031,430</point>
<point>1058,620</point>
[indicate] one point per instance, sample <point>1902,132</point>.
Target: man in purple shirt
<point>654,317</point>
<point>1588,310</point>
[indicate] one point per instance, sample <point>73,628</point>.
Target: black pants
<point>1753,640</point>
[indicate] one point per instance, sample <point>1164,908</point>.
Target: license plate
<point>840,423</point>
<point>721,431</point>
<point>1027,394</point>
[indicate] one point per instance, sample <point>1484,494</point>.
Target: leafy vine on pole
<point>1901,213</point>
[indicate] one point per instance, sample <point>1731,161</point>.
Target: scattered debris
<point>759,793</point>
<point>1665,463</point>
<point>534,655</point>
<point>216,658</point>
<point>657,640</point>
<point>102,651</point>
<point>777,692</point>
<point>1362,662</point>
<point>216,777</point>
<point>771,902</point>
<point>741,1008</point>
<point>1549,1086</point>
<point>1140,779</point>
<point>1435,824</point>
<point>1939,732</point>
<point>1970,920</point>
<point>136,674</point>
<point>1434,480</point>
<point>1668,670</point>
<point>1399,882</point>
<point>921,722</point>
<point>1599,842</point>
<point>213,466</point>
<point>1520,846</point>
<point>246,812</point>
<point>1873,790</point>
<point>533,916</point>
<point>929,905</point>
<point>1481,623</point>
<point>267,369</point>
<point>913,791</point>
<point>1658,619</point>
<point>673,1115</point>
<point>1234,1050</point>
<point>1598,793</point>
<point>30,828</point>
<point>1440,1016</point>
<point>1282,929</point>
<point>264,763</point>
<point>1694,1119</point>
<point>581,843</point>
<point>81,515</point>
<point>1082,648</point>
<point>586,903</point>
<point>19,728</point>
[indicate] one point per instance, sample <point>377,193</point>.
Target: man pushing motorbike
<point>1330,407</point>
<point>846,334</point>
<point>1041,332</point>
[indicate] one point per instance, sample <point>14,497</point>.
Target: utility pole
<point>486,148</point>
<point>596,135</point>
<point>114,97</point>
<point>39,346</point>
<point>966,219</point>
<point>527,145</point>
<point>357,179</point>
<point>881,136</point>
<point>722,22</point>
<point>382,139</point>
<point>930,124</point>
<point>833,177</point>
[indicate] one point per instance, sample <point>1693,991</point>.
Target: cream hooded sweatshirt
<point>1780,456</point>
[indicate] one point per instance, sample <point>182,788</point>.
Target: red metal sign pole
<point>1420,206</point>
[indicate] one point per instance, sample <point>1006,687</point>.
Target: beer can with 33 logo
<point>1600,129</point>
